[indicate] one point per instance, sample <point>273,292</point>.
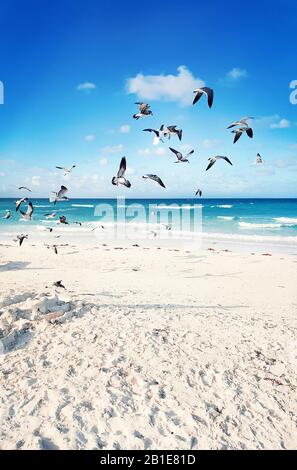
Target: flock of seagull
<point>238,127</point>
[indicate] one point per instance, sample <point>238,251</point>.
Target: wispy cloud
<point>35,181</point>
<point>210,143</point>
<point>86,86</point>
<point>236,74</point>
<point>125,129</point>
<point>108,150</point>
<point>281,124</point>
<point>90,138</point>
<point>103,161</point>
<point>170,87</point>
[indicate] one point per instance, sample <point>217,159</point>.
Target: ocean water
<point>240,220</point>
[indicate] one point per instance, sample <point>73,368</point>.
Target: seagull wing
<point>190,153</point>
<point>176,152</point>
<point>209,93</point>
<point>157,179</point>
<point>249,132</point>
<point>237,136</point>
<point>211,163</point>
<point>30,209</point>
<point>226,159</point>
<point>62,192</point>
<point>122,168</point>
<point>199,93</point>
<point>152,130</point>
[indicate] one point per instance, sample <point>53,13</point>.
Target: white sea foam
<point>82,205</point>
<point>286,220</point>
<point>252,226</point>
<point>225,217</point>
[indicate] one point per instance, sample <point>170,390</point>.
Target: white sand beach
<point>147,349</point>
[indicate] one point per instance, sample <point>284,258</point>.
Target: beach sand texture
<point>147,349</point>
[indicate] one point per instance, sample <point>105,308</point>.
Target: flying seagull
<point>19,202</point>
<point>24,187</point>
<point>198,192</point>
<point>28,215</point>
<point>158,134</point>
<point>21,238</point>
<point>179,155</point>
<point>52,215</point>
<point>212,161</point>
<point>120,178</point>
<point>204,91</point>
<point>59,196</point>
<point>171,131</point>
<point>155,178</point>
<point>243,121</point>
<point>144,110</point>
<point>238,133</point>
<point>7,215</point>
<point>63,220</point>
<point>258,159</point>
<point>66,170</point>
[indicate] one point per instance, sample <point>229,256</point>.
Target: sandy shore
<point>147,349</point>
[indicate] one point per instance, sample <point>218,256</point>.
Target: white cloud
<point>284,162</point>
<point>144,152</point>
<point>1,173</point>
<point>160,151</point>
<point>90,138</point>
<point>125,129</point>
<point>210,143</point>
<point>35,181</point>
<point>281,124</point>
<point>108,150</point>
<point>166,87</point>
<point>130,171</point>
<point>236,73</point>
<point>103,161</point>
<point>86,86</point>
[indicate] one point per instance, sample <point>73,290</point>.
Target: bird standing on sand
<point>212,161</point>
<point>120,178</point>
<point>59,284</point>
<point>66,170</point>
<point>204,91</point>
<point>28,215</point>
<point>180,157</point>
<point>155,178</point>
<point>144,110</point>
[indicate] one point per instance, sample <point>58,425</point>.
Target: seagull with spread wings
<point>120,178</point>
<point>208,92</point>
<point>25,187</point>
<point>155,178</point>
<point>67,171</point>
<point>212,161</point>
<point>144,110</point>
<point>59,196</point>
<point>241,130</point>
<point>158,134</point>
<point>180,157</point>
<point>28,214</point>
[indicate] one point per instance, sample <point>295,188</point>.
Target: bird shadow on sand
<point>17,266</point>
<point>14,266</point>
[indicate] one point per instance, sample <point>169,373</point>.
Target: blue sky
<point>156,52</point>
